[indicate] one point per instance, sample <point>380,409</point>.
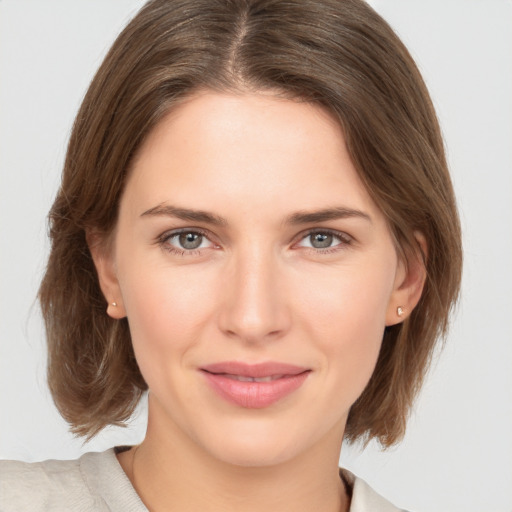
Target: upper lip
<point>266,369</point>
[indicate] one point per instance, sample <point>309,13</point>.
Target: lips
<point>254,386</point>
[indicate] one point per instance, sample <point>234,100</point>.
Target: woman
<point>256,193</point>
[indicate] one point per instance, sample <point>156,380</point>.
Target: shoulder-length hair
<point>338,54</point>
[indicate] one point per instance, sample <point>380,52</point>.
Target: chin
<point>254,455</point>
<point>257,445</point>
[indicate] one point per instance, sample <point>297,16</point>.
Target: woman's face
<point>257,276</point>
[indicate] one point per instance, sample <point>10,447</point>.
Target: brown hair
<point>335,53</point>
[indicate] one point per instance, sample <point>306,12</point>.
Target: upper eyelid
<point>178,231</point>
<point>340,234</point>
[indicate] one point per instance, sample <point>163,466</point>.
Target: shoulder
<point>41,486</point>
<point>364,498</point>
<point>82,485</point>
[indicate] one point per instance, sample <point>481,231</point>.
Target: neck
<point>168,468</point>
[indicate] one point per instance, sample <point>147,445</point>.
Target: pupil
<point>190,240</point>
<point>321,240</point>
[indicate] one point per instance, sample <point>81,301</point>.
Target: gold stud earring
<point>399,310</point>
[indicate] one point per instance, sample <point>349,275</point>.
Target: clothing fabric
<point>96,483</point>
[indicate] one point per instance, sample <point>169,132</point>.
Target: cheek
<point>166,309</point>
<point>346,317</point>
<point>346,301</point>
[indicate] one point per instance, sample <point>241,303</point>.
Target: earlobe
<point>102,255</point>
<point>409,284</point>
<point>115,310</point>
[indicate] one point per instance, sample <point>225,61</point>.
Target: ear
<point>103,256</point>
<point>409,283</point>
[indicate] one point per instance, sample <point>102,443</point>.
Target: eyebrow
<point>305,217</point>
<point>185,214</point>
<point>300,217</point>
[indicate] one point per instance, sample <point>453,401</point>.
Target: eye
<point>324,239</point>
<point>189,240</point>
<point>185,241</point>
<point>321,240</point>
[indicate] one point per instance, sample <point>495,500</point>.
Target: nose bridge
<point>254,307</point>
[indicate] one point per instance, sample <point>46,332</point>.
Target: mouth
<point>254,386</point>
<point>243,378</point>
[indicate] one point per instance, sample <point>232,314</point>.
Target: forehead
<point>255,149</point>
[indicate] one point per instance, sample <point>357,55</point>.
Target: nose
<point>254,306</point>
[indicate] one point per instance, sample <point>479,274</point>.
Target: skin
<point>257,289</point>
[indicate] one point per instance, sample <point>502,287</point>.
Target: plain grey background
<point>457,455</point>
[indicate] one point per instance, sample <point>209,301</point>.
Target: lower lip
<point>255,395</point>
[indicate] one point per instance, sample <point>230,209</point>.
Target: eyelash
<point>344,239</point>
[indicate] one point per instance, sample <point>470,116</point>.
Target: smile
<point>254,386</point>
